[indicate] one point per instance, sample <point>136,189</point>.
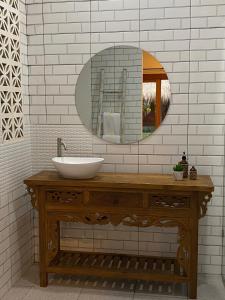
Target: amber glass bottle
<point>184,163</point>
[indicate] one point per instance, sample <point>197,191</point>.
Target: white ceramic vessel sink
<point>77,167</point>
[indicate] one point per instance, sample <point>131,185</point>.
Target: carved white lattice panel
<point>14,3</point>
<point>16,76</point>
<point>15,50</point>
<point>3,17</point>
<point>4,50</point>
<point>17,102</point>
<point>14,23</point>
<point>4,75</point>
<point>18,127</point>
<point>6,102</point>
<point>7,129</point>
<point>10,72</point>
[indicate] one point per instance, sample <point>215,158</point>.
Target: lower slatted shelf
<point>118,266</point>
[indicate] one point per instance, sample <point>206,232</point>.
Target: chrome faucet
<point>59,147</point>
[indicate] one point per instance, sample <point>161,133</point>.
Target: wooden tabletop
<point>124,180</point>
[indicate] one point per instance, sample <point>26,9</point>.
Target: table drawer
<point>116,199</point>
<point>169,201</point>
<point>64,197</point>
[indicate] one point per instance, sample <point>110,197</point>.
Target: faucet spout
<point>60,143</point>
<point>64,146</point>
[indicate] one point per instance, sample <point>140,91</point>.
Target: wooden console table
<point>131,199</point>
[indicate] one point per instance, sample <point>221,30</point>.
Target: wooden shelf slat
<point>118,266</point>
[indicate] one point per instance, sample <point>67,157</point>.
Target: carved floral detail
<point>128,219</point>
<point>63,197</point>
<point>32,192</point>
<point>170,201</point>
<point>203,204</point>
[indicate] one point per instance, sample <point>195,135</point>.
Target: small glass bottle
<point>193,173</point>
<point>184,163</point>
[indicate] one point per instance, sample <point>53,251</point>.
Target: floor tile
<point>155,297</point>
<point>89,294</point>
<point>30,278</point>
<point>211,288</point>
<point>53,293</point>
<point>27,288</point>
<point>17,293</point>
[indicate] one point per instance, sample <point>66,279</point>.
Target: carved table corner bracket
<point>32,191</point>
<point>203,202</point>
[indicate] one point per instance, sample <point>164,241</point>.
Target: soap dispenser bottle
<point>193,173</point>
<point>184,163</point>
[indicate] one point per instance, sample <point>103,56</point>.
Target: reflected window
<point>156,94</point>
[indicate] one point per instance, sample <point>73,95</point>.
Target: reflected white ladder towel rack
<point>103,92</point>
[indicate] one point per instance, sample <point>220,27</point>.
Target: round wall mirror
<point>122,94</point>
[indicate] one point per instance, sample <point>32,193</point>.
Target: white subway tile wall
<point>175,34</point>
<point>16,216</point>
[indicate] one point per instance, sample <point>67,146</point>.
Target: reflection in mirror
<point>122,94</point>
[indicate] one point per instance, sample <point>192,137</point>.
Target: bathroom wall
<point>223,249</point>
<point>194,61</point>
<point>16,234</point>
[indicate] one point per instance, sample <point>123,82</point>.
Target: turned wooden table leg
<point>42,240</point>
<point>193,262</point>
<point>43,279</point>
<point>192,287</point>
